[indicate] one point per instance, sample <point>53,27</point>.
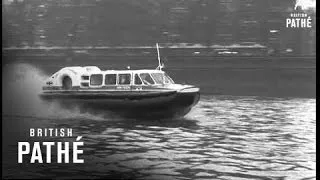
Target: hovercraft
<point>130,93</point>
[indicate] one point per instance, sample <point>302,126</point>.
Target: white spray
<point>21,85</point>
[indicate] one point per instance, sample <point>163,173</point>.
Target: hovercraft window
<point>137,80</point>
<point>124,79</point>
<point>85,77</point>
<point>158,77</point>
<point>167,79</point>
<point>111,79</point>
<point>146,78</point>
<point>96,79</point>
<point>85,84</point>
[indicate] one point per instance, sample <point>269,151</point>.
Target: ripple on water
<point>222,138</point>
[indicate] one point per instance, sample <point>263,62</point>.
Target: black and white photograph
<point>159,89</point>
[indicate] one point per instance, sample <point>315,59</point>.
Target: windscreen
<point>162,78</point>
<point>146,78</point>
<point>167,79</point>
<point>158,78</point>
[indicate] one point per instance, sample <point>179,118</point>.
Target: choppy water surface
<point>223,137</point>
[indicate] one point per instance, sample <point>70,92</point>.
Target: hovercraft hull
<point>166,104</point>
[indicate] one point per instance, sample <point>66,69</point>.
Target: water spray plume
<point>22,84</point>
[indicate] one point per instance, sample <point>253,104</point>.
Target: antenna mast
<point>160,66</point>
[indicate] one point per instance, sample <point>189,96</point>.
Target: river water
<point>223,137</point>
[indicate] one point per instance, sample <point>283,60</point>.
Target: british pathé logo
<point>299,18</point>
<point>39,150</point>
